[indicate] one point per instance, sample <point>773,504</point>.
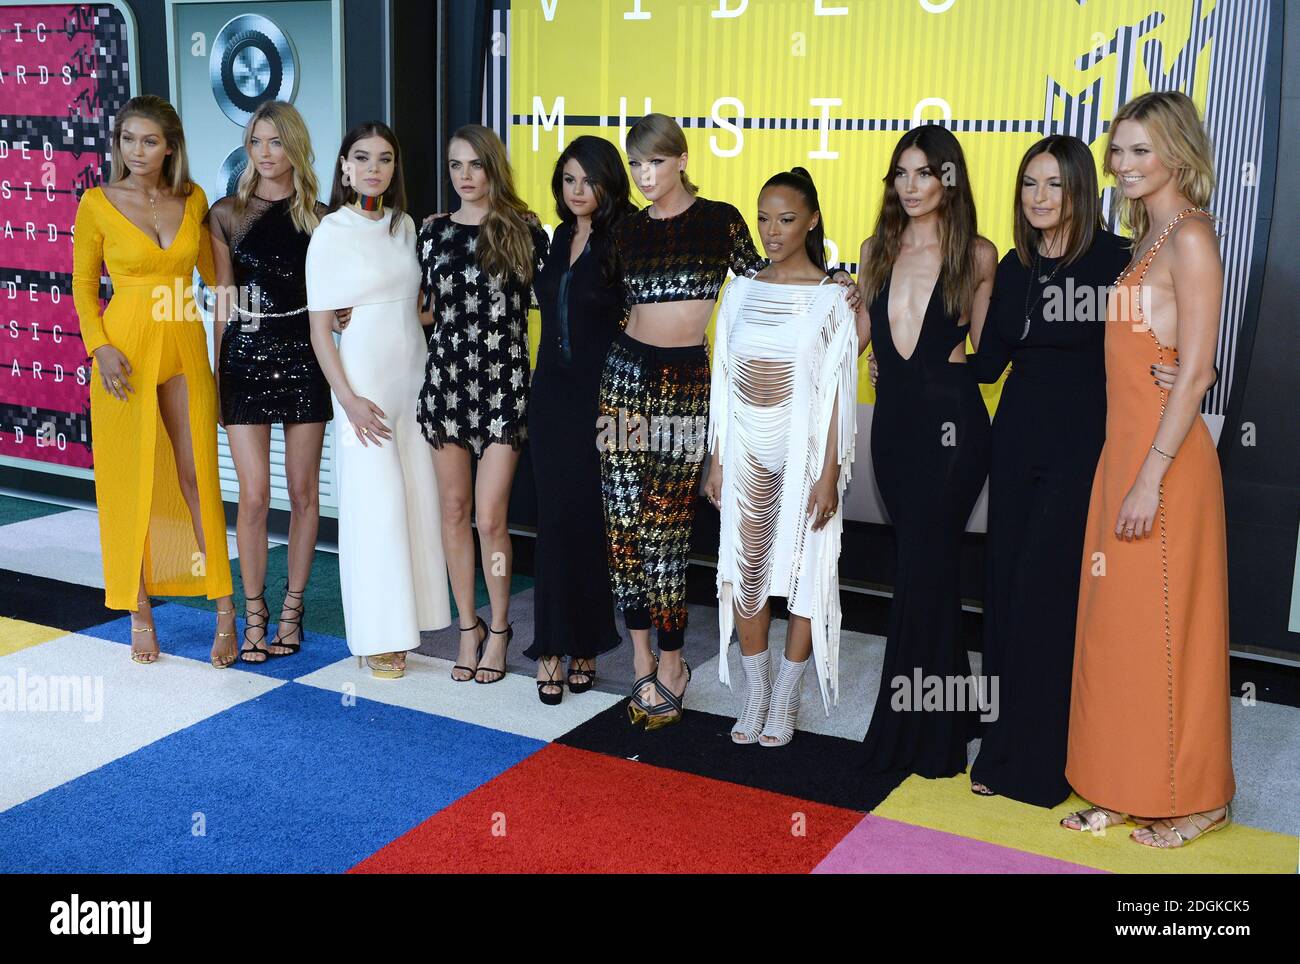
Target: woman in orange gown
<point>1150,731</point>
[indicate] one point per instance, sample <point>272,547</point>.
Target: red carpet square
<point>564,810</point>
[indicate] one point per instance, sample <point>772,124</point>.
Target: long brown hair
<point>292,131</point>
<point>1080,202</point>
<point>176,166</point>
<point>395,197</point>
<point>957,222</point>
<point>505,243</point>
<point>1180,142</point>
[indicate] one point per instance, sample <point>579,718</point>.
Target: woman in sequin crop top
<point>684,257</point>
<point>654,401</point>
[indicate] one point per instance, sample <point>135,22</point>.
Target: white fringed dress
<point>782,356</point>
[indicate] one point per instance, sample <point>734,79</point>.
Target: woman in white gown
<point>782,417</point>
<point>391,564</point>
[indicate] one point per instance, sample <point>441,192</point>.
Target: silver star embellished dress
<point>476,376</point>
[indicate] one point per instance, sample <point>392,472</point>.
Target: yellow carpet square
<point>950,806</point>
<point>16,634</point>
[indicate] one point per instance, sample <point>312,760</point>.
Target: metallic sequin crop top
<point>686,257</point>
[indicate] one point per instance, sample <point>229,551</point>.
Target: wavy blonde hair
<point>292,131</point>
<point>1174,126</point>
<point>505,243</point>
<point>176,166</point>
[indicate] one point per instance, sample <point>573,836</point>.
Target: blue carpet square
<point>294,781</point>
<point>188,631</point>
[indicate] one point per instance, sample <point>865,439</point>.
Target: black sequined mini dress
<point>267,370</point>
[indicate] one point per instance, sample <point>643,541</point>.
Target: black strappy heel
<point>472,670</point>
<point>295,622</point>
<point>249,625</point>
<point>589,673</point>
<point>670,711</point>
<point>508,633</point>
<point>550,699</point>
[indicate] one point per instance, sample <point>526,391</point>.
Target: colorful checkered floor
<point>309,764</point>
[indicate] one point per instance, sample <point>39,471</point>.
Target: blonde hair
<point>1181,144</point>
<point>505,243</point>
<point>292,131</point>
<point>176,166</point>
<point>659,134</point>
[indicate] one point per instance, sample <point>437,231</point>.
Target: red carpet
<point>564,810</point>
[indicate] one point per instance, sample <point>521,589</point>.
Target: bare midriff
<point>670,324</point>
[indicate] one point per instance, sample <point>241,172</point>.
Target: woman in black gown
<point>926,275</point>
<point>581,296</point>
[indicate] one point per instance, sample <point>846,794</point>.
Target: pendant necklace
<point>1044,280</point>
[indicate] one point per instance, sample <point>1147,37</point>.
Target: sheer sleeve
<point>87,262</point>
<point>219,220</point>
<point>743,257</point>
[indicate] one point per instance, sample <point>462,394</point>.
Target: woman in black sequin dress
<point>266,368</point>
<point>580,290</point>
<point>477,270</point>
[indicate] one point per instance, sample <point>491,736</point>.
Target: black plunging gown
<point>582,310</point>
<point>929,448</point>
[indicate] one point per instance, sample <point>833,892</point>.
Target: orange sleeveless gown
<point>1150,730</point>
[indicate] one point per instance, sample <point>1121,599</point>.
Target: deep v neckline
<point>185,212</point>
<point>889,285</point>
<point>586,246</point>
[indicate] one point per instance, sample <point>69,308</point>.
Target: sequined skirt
<point>652,430</point>
<point>271,375</point>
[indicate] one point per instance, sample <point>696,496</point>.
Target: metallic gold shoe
<point>386,666</point>
<point>145,658</point>
<point>224,662</point>
<point>671,710</point>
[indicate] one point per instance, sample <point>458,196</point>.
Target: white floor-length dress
<point>391,564</point>
<point>782,356</point>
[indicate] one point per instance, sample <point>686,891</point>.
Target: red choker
<point>369,202</point>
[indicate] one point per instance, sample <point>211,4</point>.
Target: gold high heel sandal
<point>387,665</point>
<point>145,657</point>
<point>225,662</point>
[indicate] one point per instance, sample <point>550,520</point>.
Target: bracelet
<point>1158,452</point>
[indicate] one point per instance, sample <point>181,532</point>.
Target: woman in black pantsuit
<point>1047,317</point>
<point>582,300</point>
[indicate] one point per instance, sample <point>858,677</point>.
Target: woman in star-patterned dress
<point>477,269</point>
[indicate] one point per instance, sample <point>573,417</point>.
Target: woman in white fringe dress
<point>782,419</point>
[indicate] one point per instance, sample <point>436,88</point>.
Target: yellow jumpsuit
<point>152,319</point>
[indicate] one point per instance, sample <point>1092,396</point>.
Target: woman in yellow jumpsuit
<point>152,399</point>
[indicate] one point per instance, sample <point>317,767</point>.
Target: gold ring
<point>116,383</point>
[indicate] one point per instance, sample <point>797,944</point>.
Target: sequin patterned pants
<point>652,435</point>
